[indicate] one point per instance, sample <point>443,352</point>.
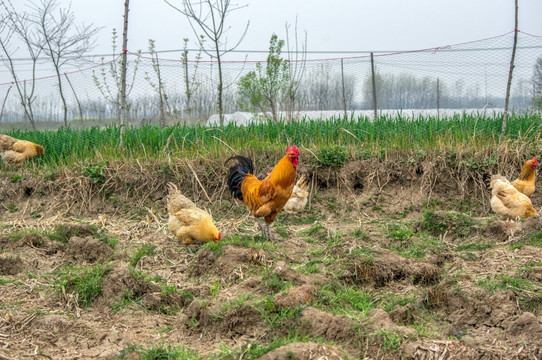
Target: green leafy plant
<point>95,173</point>
<point>333,156</point>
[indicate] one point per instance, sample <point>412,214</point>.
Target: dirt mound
<point>88,249</point>
<point>380,320</point>
<point>244,320</point>
<point>386,266</point>
<point>121,281</point>
<point>332,328</point>
<point>509,230</point>
<point>441,349</point>
<point>526,326</point>
<point>305,351</point>
<point>226,264</point>
<point>298,295</point>
<point>34,241</point>
<point>474,309</point>
<point>10,264</point>
<point>287,273</point>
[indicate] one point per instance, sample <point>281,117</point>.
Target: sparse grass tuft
<point>84,282</point>
<point>146,249</point>
<point>158,353</point>
<point>440,223</point>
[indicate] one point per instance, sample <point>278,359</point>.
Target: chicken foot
<point>266,232</point>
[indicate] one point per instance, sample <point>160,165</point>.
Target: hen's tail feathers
<point>237,173</point>
<point>177,201</point>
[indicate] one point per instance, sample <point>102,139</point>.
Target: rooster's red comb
<point>293,149</point>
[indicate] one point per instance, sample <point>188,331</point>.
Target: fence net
<point>470,75</point>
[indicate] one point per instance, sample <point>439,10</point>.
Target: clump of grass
<point>312,230</point>
<point>84,282</point>
<point>160,352</point>
<point>278,317</point>
<point>255,350</point>
<point>146,249</point>
<point>439,223</point>
<point>127,299</point>
<point>390,340</point>
<point>344,300</point>
<point>505,282</point>
<point>533,239</point>
<point>64,232</point>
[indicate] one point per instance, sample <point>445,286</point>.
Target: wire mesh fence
<point>470,75</point>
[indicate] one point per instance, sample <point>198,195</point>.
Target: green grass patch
<point>146,249</point>
<point>312,230</point>
<point>159,353</point>
<point>278,317</point>
<point>84,282</point>
<point>344,300</point>
<point>505,282</point>
<point>335,140</point>
<point>533,239</point>
<point>255,350</point>
<point>459,224</point>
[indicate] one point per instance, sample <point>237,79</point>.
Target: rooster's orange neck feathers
<point>284,173</point>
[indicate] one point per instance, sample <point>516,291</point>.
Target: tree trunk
<point>509,85</point>
<point>75,95</point>
<point>220,86</point>
<point>374,87</point>
<point>343,89</point>
<point>4,102</point>
<point>123,73</point>
<point>187,83</point>
<point>64,105</point>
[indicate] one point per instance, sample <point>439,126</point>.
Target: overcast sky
<point>340,25</point>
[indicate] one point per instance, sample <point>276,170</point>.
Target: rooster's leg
<point>264,234</point>
<point>270,237</point>
<point>189,249</point>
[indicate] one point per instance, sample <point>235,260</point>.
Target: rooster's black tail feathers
<point>486,179</point>
<point>237,174</point>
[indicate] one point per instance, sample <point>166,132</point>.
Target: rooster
<point>299,197</point>
<point>264,198</point>
<point>525,181</point>
<point>187,222</point>
<point>15,151</point>
<point>508,202</point>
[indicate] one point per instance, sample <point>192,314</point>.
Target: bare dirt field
<point>388,261</point>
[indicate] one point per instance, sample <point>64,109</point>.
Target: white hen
<point>299,197</point>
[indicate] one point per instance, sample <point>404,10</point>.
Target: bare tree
<point>210,16</point>
<point>123,69</point>
<point>511,71</point>
<point>109,80</point>
<point>17,24</point>
<point>158,86</point>
<point>61,39</point>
